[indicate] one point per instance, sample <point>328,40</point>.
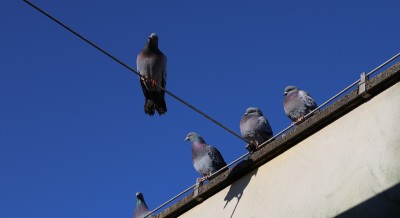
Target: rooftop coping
<point>311,125</point>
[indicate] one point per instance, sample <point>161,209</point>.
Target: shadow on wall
<point>237,188</point>
<point>384,204</point>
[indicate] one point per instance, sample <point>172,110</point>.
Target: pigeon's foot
<point>153,82</point>
<point>299,120</point>
<point>252,146</point>
<point>149,81</point>
<point>202,179</point>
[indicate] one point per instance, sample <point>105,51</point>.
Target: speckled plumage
<point>152,64</point>
<point>254,127</point>
<point>297,103</point>
<point>141,208</point>
<point>206,158</point>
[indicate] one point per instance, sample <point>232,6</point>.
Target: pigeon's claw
<point>299,120</point>
<point>202,179</point>
<point>149,81</point>
<point>153,82</point>
<point>252,146</point>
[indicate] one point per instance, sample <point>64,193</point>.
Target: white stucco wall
<point>337,168</point>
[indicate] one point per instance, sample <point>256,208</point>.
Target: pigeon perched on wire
<point>297,103</point>
<point>152,65</point>
<point>141,208</point>
<point>206,159</point>
<point>255,128</point>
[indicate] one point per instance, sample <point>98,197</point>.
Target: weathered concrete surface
<point>327,174</point>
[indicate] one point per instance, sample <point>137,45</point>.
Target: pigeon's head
<point>153,36</point>
<point>153,39</point>
<point>139,197</point>
<point>253,111</point>
<point>194,137</point>
<point>290,89</point>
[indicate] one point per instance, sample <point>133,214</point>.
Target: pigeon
<point>141,209</point>
<point>255,128</point>
<point>206,159</point>
<point>152,65</point>
<point>297,103</point>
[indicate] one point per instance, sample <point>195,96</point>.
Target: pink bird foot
<point>149,81</point>
<point>200,180</point>
<point>252,146</point>
<point>299,120</point>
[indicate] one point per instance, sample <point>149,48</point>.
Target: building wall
<point>343,165</point>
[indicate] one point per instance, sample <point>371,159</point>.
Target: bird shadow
<point>237,188</point>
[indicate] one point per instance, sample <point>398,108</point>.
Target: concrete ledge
<point>313,124</point>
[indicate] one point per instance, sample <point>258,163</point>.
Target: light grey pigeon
<point>255,128</point>
<point>297,103</point>
<point>141,208</point>
<point>152,65</point>
<point>206,159</point>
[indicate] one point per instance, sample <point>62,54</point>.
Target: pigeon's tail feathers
<point>154,101</point>
<point>161,106</point>
<point>217,174</point>
<point>149,107</point>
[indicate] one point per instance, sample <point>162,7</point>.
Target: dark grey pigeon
<point>141,209</point>
<point>255,128</point>
<point>297,103</point>
<point>206,159</point>
<point>152,65</point>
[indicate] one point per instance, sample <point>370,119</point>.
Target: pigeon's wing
<point>264,128</point>
<point>164,71</point>
<point>142,63</point>
<point>216,157</point>
<point>246,128</point>
<point>142,68</point>
<point>307,99</point>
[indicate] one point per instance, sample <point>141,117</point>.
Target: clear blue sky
<point>74,141</point>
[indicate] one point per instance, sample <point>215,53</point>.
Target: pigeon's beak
<point>285,93</point>
<point>186,139</point>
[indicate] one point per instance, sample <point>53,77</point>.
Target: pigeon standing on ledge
<point>206,159</point>
<point>297,103</point>
<point>141,209</point>
<point>152,65</point>
<point>255,128</point>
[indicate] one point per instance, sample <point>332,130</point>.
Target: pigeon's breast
<point>152,66</point>
<point>248,126</point>
<point>292,103</point>
<point>203,165</point>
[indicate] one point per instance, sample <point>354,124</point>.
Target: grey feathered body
<point>206,159</point>
<point>152,63</point>
<point>254,127</point>
<point>298,103</point>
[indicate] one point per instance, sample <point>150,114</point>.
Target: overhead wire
<point>134,71</point>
